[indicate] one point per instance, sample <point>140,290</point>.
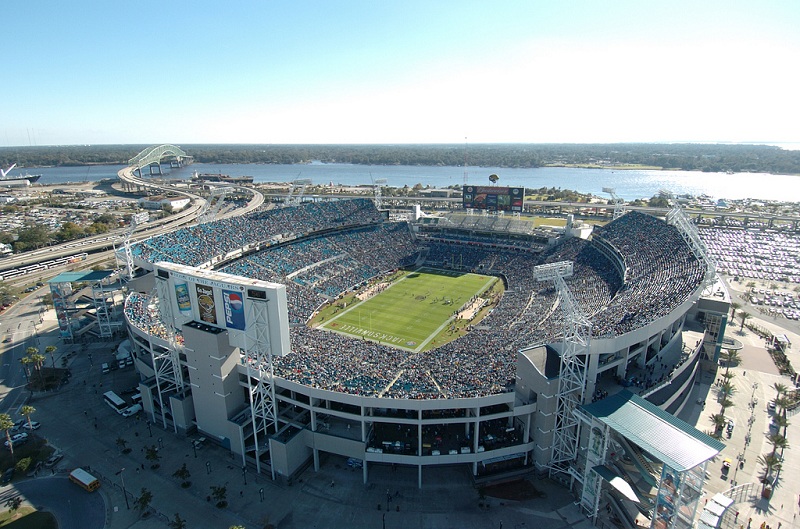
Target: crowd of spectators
<point>661,273</point>
<point>199,244</point>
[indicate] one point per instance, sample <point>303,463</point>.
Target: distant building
<point>158,202</point>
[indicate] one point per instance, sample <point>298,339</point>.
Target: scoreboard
<point>494,198</point>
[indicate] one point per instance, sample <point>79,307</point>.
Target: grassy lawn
<point>409,313</point>
<point>27,518</point>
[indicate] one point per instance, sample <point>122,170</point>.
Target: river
<point>628,184</point>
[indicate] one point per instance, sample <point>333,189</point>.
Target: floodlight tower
<point>136,220</point>
<point>377,187</point>
<point>299,187</point>
<point>676,217</point>
<point>166,361</point>
<point>619,204</point>
<point>572,378</point>
<point>260,377</point>
<point>213,205</point>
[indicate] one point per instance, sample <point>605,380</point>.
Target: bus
<point>84,480</point>
<point>114,400</point>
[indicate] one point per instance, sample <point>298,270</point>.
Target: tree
<point>734,307</point>
<point>220,494</point>
<point>177,523</point>
<point>183,474</point>
<point>26,411</point>
<point>777,441</point>
<point>26,361</point>
<point>718,420</point>
<point>726,389</point>
<point>51,349</point>
<point>122,444</point>
<point>152,456</point>
<point>770,462</point>
<point>744,317</point>
<point>730,356</point>
<point>13,504</point>
<point>6,424</point>
<point>143,501</point>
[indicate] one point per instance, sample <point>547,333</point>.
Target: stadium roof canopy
<point>667,438</point>
<point>86,275</point>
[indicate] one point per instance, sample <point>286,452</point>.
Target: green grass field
<point>410,312</point>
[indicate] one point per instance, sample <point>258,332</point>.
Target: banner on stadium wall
<point>182,295</point>
<point>233,306</point>
<point>206,303</point>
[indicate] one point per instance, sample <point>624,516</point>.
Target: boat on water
<point>219,177</point>
<point>4,176</point>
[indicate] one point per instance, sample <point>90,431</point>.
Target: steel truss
<point>378,190</point>
<point>619,204</point>
<point>572,378</point>
<point>212,207</point>
<point>296,191</point>
<point>260,376</point>
<point>136,221</point>
<point>688,231</point>
<point>166,362</point>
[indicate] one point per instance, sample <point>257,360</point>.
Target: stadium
<point>230,340</point>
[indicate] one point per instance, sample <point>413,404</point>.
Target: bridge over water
<point>152,158</point>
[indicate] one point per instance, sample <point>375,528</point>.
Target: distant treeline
<point>687,156</point>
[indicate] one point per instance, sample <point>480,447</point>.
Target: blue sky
<point>80,72</point>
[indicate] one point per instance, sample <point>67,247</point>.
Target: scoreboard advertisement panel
<point>494,198</point>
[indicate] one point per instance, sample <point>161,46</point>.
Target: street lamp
<point>244,474</point>
<point>208,467</point>
<point>261,493</point>
<point>124,492</point>
<point>194,447</point>
<point>148,429</point>
<point>160,443</point>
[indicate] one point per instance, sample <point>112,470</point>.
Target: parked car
<point>17,439</point>
<point>32,426</point>
<point>53,459</point>
<point>133,410</point>
<point>8,475</point>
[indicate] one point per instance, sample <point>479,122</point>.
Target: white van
<point>105,368</point>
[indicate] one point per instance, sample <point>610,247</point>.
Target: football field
<point>411,312</point>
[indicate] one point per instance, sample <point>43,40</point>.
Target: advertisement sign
<point>493,198</point>
<point>206,303</point>
<point>233,306</point>
<point>182,295</point>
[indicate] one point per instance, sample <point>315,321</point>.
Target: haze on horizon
<point>415,71</point>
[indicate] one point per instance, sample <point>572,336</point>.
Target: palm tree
<point>152,455</point>
<point>143,501</point>
<point>51,349</point>
<point>777,441</point>
<point>770,462</point>
<point>780,389</point>
<point>220,494</point>
<point>734,307</point>
<point>25,361</point>
<point>718,420</point>
<point>26,411</point>
<point>730,356</point>
<point>725,404</point>
<point>726,390</point>
<point>177,523</point>
<point>6,424</point>
<point>122,444</point>
<point>183,474</point>
<point>744,317</point>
